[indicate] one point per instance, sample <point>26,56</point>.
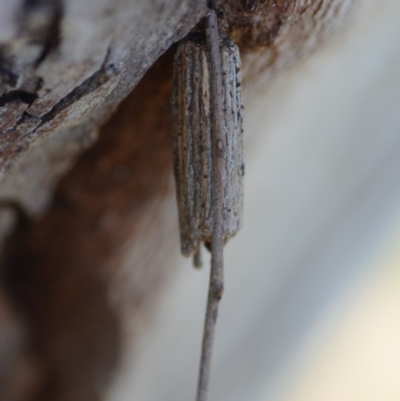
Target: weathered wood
<point>63,72</point>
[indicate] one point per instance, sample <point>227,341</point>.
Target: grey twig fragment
<point>207,122</point>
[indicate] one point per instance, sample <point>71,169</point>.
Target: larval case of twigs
<point>192,136</point>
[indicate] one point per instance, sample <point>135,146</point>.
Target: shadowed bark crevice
<point>17,96</point>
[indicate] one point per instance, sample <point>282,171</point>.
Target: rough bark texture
<point>76,274</point>
<point>64,71</point>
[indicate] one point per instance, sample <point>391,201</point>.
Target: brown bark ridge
<point>79,273</point>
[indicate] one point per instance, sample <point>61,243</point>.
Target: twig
<point>217,244</point>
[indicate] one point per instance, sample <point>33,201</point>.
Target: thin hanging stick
<point>217,244</point>
<point>206,111</point>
